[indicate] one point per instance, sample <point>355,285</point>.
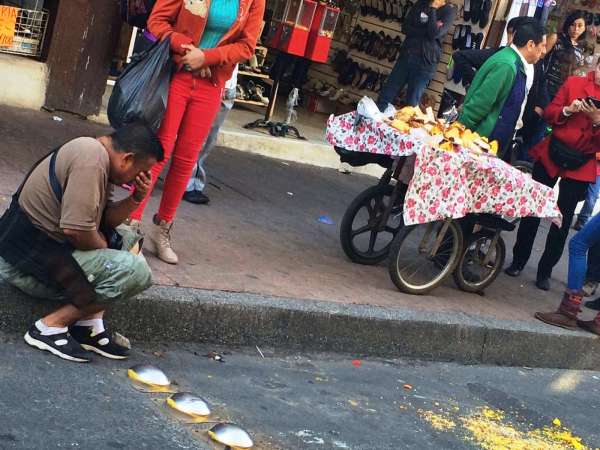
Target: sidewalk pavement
<point>257,265</point>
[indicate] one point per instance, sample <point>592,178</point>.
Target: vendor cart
<point>434,213</point>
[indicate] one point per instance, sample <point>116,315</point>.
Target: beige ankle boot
<point>160,235</point>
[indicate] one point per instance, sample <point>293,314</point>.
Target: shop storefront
<point>56,54</point>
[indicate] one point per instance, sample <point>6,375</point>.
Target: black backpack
<point>136,12</point>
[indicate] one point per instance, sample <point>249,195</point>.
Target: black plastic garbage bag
<point>141,92</point>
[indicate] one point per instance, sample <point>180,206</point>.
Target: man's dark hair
<point>529,30</point>
<point>577,14</point>
<point>515,23</point>
<point>139,139</point>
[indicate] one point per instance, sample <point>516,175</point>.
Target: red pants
<point>191,109</point>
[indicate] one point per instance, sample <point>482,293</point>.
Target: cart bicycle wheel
<point>481,261</point>
<point>422,256</point>
<point>364,239</point>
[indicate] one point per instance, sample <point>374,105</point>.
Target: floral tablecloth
<point>448,184</point>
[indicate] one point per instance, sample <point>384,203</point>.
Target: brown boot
<point>160,235</point>
<point>566,315</point>
<point>593,326</point>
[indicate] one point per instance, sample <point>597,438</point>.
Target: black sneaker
<point>104,344</point>
<point>196,197</point>
<point>62,345</point>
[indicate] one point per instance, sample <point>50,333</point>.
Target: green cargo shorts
<point>115,274</point>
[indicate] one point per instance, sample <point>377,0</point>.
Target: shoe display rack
<point>255,86</point>
<point>361,60</point>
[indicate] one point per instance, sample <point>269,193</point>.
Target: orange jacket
<point>184,21</point>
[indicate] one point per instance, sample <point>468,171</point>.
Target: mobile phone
<point>594,101</point>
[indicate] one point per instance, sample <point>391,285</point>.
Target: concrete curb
<point>194,315</point>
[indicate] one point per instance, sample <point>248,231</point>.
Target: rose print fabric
<point>448,184</point>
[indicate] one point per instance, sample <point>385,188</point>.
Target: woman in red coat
<point>208,38</point>
<point>576,125</point>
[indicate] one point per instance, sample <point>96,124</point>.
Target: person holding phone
<point>207,38</point>
<point>569,154</point>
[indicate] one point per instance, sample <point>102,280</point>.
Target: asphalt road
<point>293,401</point>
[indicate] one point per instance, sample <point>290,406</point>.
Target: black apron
<point>33,252</point>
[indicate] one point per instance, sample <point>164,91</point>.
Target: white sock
<point>49,331</point>
<point>96,324</point>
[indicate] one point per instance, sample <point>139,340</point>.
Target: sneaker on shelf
<point>62,345</point>
<point>102,343</point>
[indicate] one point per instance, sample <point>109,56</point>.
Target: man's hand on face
<point>143,184</point>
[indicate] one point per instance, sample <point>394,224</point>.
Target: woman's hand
<point>204,72</point>
<point>592,112</point>
<point>574,107</point>
<point>194,57</point>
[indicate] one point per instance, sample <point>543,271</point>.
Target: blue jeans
<point>580,244</point>
<point>411,71</point>
<point>590,201</point>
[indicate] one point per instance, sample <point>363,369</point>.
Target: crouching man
<point>61,239</point>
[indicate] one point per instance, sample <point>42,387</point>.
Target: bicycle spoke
<point>372,240</point>
<point>361,230</point>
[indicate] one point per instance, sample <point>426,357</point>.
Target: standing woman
<point>565,55</point>
<point>208,38</point>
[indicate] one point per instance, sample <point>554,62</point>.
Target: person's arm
<point>440,20</point>
<point>496,81</point>
<point>243,48</point>
<point>161,24</point>
<point>560,108</point>
<point>542,98</point>
<point>550,42</point>
<point>116,213</point>
<point>411,27</point>
<point>85,240</point>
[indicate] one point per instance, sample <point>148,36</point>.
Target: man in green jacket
<point>496,98</point>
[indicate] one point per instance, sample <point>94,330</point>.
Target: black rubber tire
<point>523,166</point>
<point>449,267</point>
<point>458,274</point>
<point>346,230</point>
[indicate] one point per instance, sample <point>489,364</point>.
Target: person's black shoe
<point>513,270</point>
<point>196,197</point>
<point>62,345</point>
<point>543,284</point>
<point>593,304</point>
<point>103,343</point>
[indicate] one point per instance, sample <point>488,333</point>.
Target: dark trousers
<point>570,193</point>
<point>411,71</point>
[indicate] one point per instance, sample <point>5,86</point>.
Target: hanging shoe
<point>160,235</point>
<point>468,39</point>
<point>467,11</point>
<point>486,7</point>
<point>478,40</point>
<point>476,10</point>
<point>456,36</point>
